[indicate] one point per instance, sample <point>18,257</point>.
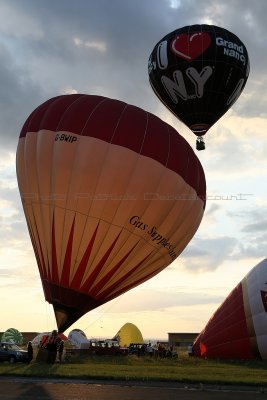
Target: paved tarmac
<point>45,389</point>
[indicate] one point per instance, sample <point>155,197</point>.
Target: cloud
<point>252,239</point>
<point>256,226</point>
<point>12,228</point>
<point>253,247</point>
<point>207,254</point>
<point>96,45</point>
<point>143,299</point>
<point>110,55</point>
<point>17,96</point>
<point>211,213</point>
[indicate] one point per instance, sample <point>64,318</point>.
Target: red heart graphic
<point>191,46</point>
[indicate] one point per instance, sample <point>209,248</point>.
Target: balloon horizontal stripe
<point>120,124</point>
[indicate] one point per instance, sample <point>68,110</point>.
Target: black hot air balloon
<point>198,72</point>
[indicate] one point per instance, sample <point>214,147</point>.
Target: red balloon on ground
<point>238,329</point>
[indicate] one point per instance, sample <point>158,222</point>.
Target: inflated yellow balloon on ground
<point>129,333</point>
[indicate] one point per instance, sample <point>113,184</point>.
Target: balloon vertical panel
<point>256,291</point>
<point>33,201</point>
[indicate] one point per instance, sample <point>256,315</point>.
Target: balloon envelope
<point>41,337</point>
<point>12,335</point>
<point>238,329</point>
<point>111,195</point>
<point>198,72</point>
<point>128,333</point>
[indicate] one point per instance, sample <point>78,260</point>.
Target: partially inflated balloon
<point>111,194</point>
<point>238,329</point>
<point>198,72</point>
<point>12,335</point>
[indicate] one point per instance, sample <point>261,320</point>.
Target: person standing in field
<point>190,350</point>
<point>60,351</point>
<point>52,347</point>
<point>30,351</point>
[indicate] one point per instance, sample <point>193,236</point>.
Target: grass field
<point>183,369</point>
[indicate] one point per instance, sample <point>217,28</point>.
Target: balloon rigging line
<point>105,311</point>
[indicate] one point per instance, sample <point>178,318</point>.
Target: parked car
<point>107,347</point>
<point>12,353</point>
<point>138,348</point>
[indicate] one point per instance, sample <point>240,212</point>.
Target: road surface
<point>45,389</point>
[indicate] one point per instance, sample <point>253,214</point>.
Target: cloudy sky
<point>51,47</point>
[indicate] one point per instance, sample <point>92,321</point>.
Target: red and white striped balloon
<point>111,195</point>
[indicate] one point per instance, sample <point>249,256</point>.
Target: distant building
<point>181,339</point>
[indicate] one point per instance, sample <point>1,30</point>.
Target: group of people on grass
<point>49,347</point>
<point>159,350</point>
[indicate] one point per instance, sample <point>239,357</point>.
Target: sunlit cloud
<point>94,44</point>
<point>208,253</point>
<point>174,3</point>
<point>69,90</point>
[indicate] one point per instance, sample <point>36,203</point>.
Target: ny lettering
<point>176,87</point>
